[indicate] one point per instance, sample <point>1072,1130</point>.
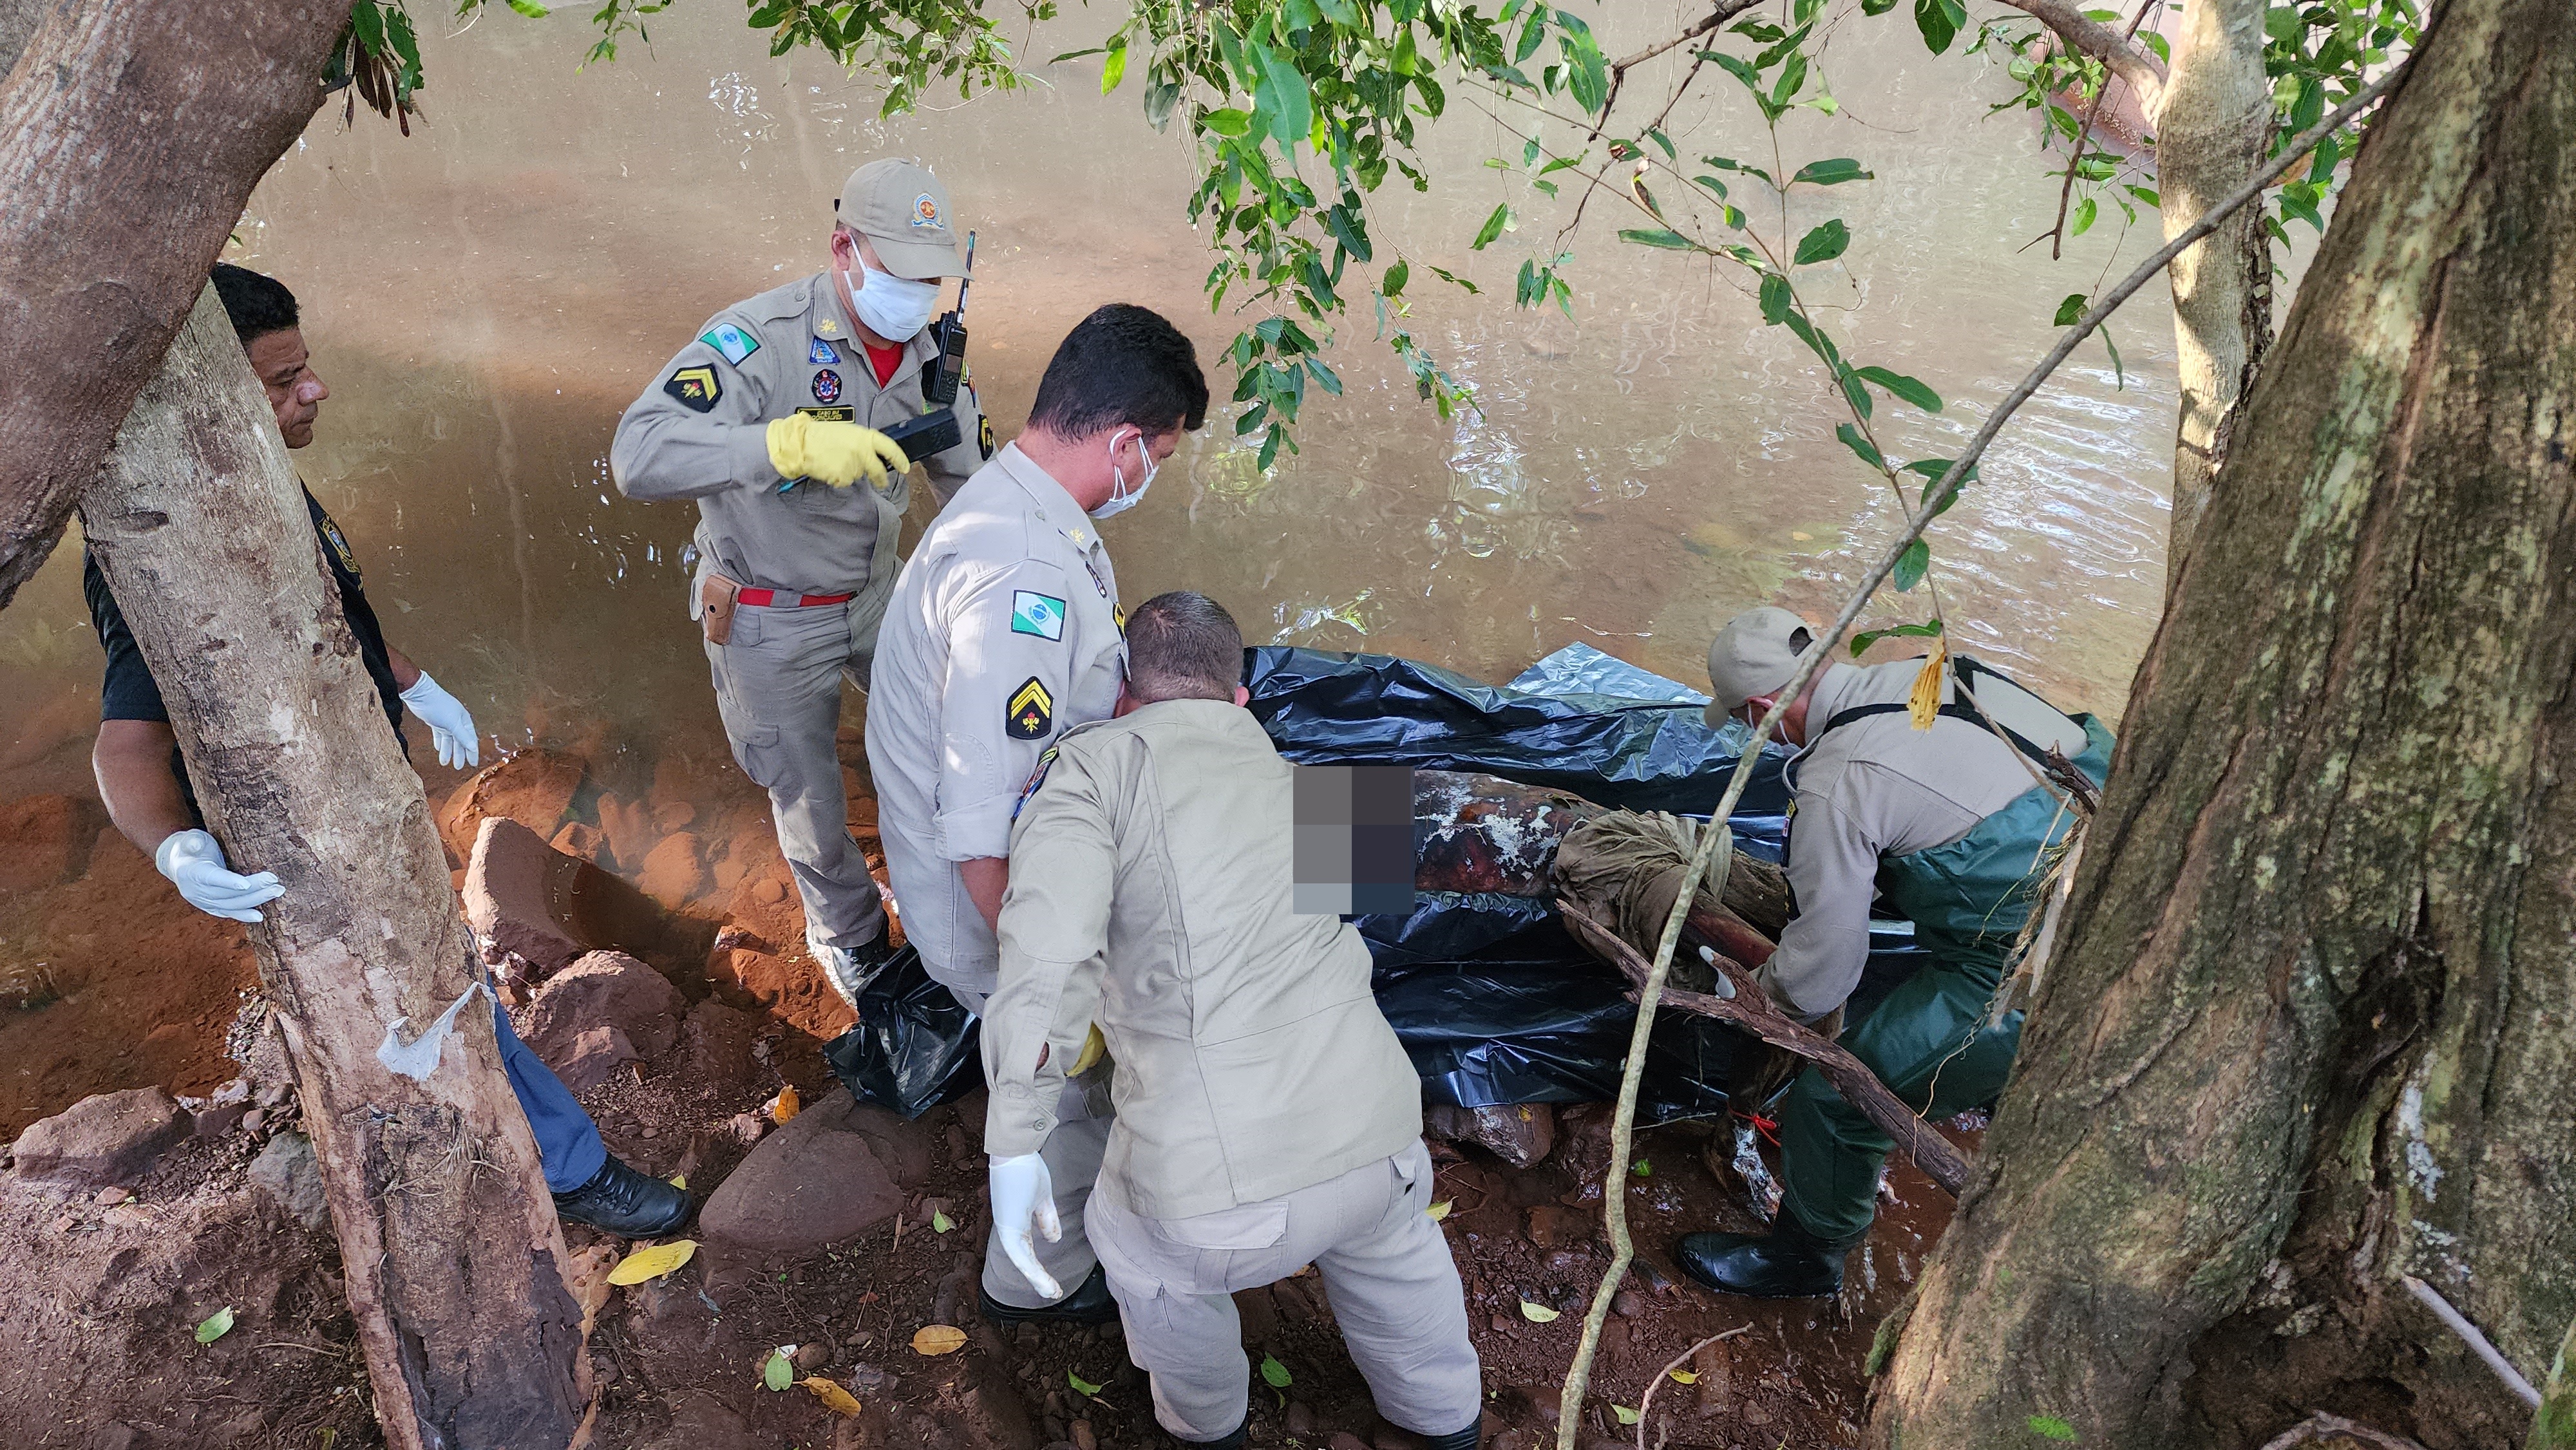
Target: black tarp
<point>1495,1003</point>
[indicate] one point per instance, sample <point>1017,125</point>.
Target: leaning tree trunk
<point>131,133</point>
<point>2312,1024</point>
<point>452,1253</point>
<point>2213,129</point>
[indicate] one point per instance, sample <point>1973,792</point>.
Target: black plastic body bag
<point>1491,998</point>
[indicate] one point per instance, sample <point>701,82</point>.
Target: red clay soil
<point>136,988</point>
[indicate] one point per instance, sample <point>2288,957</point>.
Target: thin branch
<point>1646,1407</point>
<point>2134,64</point>
<point>2084,133</point>
<point>2458,1323</point>
<point>1718,843</point>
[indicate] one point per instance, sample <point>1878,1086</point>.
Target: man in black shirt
<point>144,781</point>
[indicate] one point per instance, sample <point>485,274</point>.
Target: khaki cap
<point>1751,656</point>
<point>903,210</point>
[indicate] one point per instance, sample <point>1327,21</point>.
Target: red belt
<point>773,599</point>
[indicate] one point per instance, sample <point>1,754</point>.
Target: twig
<point>1646,1406</point>
<point>2321,1425</point>
<point>2458,1323</point>
<point>1719,842</point>
<point>1752,1009</point>
<point>2140,68</point>
<point>2084,133</point>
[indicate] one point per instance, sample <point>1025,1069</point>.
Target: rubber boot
<point>1089,1303</point>
<point>1787,1263</point>
<point>1230,1442</point>
<point>1467,1439</point>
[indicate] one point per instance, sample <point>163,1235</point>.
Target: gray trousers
<point>1386,1269</point>
<point>778,686</point>
<point>1072,1155</point>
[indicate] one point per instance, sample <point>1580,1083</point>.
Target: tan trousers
<point>1072,1155</point>
<point>1386,1270</point>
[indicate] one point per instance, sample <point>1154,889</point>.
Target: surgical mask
<point>1121,498</point>
<point>894,308</point>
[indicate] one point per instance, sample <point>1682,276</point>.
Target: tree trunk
<point>452,1251</point>
<point>2213,131</point>
<point>2312,1024</point>
<point>131,134</point>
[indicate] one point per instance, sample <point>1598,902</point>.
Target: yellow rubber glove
<point>839,454</point>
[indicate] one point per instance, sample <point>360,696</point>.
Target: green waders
<point>1928,1040</point>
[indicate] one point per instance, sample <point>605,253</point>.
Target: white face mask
<point>894,308</point>
<point>1122,498</point>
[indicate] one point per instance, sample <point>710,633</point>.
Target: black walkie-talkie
<point>939,381</point>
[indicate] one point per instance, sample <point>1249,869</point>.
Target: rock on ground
<point>836,1170</point>
<point>534,788</point>
<point>1519,1135</point>
<point>100,1140</point>
<point>514,889</point>
<point>602,989</point>
<point>286,1172</point>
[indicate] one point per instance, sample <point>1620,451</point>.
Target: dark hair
<point>1121,366</point>
<point>257,304</point>
<point>1183,646</point>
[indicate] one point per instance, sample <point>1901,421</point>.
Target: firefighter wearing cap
<point>771,419</point>
<point>1955,825</point>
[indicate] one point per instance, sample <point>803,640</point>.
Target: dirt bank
<point>139,990</point>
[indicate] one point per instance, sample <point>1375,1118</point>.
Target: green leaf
<point>2147,195</point>
<point>1833,172</point>
<point>1859,445</point>
<point>1080,1385</point>
<point>1910,389</point>
<point>1641,1169</point>
<point>1911,565</point>
<point>941,1223</point>
<point>1492,228</point>
<point>2085,211</point>
<point>1623,1414</point>
<point>1114,69</point>
<point>215,1326</point>
<point>1397,274</point>
<point>1939,20</point>
<point>1291,106</point>
<point>1350,232</point>
<point>1665,237</point>
<point>1823,244</point>
<point>1777,300</point>
<point>1273,1373</point>
<point>2049,1427</point>
<point>778,1371</point>
<point>1228,122</point>
<point>1861,642</point>
<point>1660,139</point>
<point>530,9</point>
<point>2070,311</point>
<point>2119,374</point>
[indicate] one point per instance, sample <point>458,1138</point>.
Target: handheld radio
<point>939,381</point>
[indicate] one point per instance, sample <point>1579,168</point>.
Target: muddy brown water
<point>486,296</point>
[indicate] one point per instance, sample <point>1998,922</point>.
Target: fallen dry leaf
<point>586,1274</point>
<point>652,1263</point>
<point>835,1399</point>
<point>1438,1211</point>
<point>1684,1376</point>
<point>1538,1313</point>
<point>784,1106</point>
<point>938,1339</point>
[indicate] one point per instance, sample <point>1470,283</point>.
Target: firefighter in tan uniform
<point>1005,630</point>
<point>1266,1117</point>
<point>772,419</point>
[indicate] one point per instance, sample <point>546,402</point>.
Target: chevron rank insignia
<point>731,341</point>
<point>1038,614</point>
<point>696,388</point>
<point>1031,713</point>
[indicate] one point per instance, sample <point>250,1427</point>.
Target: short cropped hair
<point>257,304</point>
<point>1123,366</point>
<point>1183,646</point>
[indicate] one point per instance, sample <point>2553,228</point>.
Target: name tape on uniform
<point>731,341</point>
<point>1038,614</point>
<point>695,387</point>
<point>1031,712</point>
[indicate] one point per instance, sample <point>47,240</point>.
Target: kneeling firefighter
<point>1956,826</point>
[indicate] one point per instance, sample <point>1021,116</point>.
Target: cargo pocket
<point>755,749</point>
<point>1206,1253</point>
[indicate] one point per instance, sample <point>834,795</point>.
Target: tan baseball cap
<point>903,210</point>
<point>1751,656</point>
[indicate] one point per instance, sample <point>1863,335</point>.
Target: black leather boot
<point>1467,1439</point>
<point>1787,1263</point>
<point>1088,1304</point>
<point>1230,1442</point>
<point>626,1203</point>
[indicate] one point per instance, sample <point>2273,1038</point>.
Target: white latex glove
<point>450,728</point>
<point>195,864</point>
<point>1024,1199</point>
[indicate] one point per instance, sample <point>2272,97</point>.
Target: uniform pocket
<point>1207,1253</point>
<point>755,749</point>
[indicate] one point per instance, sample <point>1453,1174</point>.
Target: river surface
<point>486,296</point>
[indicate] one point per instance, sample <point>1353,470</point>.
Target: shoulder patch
<point>732,341</point>
<point>821,355</point>
<point>339,543</point>
<point>1038,614</point>
<point>984,435</point>
<point>1031,712</point>
<point>695,387</point>
<point>1037,778</point>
